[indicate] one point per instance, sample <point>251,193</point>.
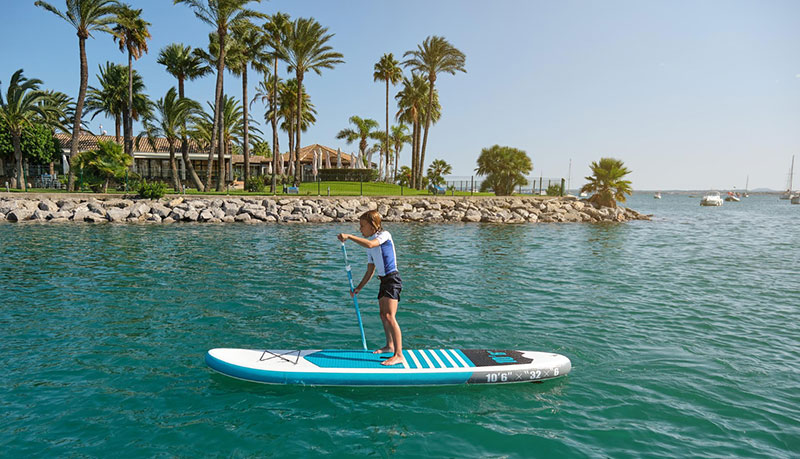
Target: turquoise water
<point>683,333</point>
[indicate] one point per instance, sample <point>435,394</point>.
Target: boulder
<point>40,214</point>
<point>18,215</point>
<point>175,202</point>
<point>115,214</point>
<point>48,205</point>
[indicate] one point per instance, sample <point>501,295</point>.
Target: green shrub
<point>554,190</point>
<point>255,184</point>
<point>348,175</point>
<point>155,190</point>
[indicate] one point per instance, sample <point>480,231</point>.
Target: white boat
<point>657,195</point>
<point>711,199</point>
<point>788,193</point>
<point>732,197</point>
<point>796,199</point>
<point>584,194</point>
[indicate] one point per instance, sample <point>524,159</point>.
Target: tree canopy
<point>504,168</point>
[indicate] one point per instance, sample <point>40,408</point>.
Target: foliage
<point>155,190</point>
<point>607,182</point>
<point>36,142</point>
<point>261,148</point>
<point>111,97</point>
<point>255,184</point>
<point>554,190</point>
<point>364,129</point>
<point>404,177</point>
<point>348,175</point>
<point>504,168</point>
<point>106,162</point>
<point>437,170</point>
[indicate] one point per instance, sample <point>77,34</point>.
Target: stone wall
<point>53,208</point>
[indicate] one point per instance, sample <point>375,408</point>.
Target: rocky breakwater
<point>310,210</point>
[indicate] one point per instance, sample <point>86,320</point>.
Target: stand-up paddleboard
<point>424,367</point>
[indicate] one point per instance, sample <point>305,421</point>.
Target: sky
<point>689,94</point>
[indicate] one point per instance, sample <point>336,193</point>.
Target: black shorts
<point>391,285</point>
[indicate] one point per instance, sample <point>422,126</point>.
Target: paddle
<point>355,296</point>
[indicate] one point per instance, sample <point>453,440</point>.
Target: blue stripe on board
<point>430,357</point>
<point>464,356</point>
<point>444,360</point>
<point>409,360</point>
<point>421,359</point>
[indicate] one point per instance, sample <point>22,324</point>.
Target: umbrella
<point>338,158</point>
<point>314,165</point>
<point>327,159</point>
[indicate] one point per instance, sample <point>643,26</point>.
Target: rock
<point>115,214</point>
<point>176,214</point>
<point>206,215</point>
<point>48,205</point>
<point>139,209</point>
<point>243,217</point>
<point>2,216</point>
<point>7,206</point>
<point>175,202</point>
<point>67,205</point>
<point>191,215</point>
<point>413,216</point>
<point>40,214</point>
<point>79,215</point>
<point>154,218</point>
<point>18,215</point>
<point>160,210</point>
<point>95,217</point>
<point>168,220</point>
<point>96,207</point>
<point>318,218</point>
<point>472,215</point>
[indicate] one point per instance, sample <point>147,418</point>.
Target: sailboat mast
<point>791,175</point>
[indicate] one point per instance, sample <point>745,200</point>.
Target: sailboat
<point>788,193</point>
<point>746,186</point>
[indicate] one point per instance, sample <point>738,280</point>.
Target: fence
<point>535,185</point>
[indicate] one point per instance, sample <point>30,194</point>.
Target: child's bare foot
<point>393,360</point>
<point>384,350</point>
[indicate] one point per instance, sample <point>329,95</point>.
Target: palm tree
<point>220,14</point>
<point>24,103</point>
<point>250,44</point>
<point>364,128</point>
<point>276,29</point>
<point>398,138</point>
<point>173,112</point>
<point>86,16</point>
<point>266,91</point>
<point>607,182</point>
<point>412,103</point>
<point>435,55</point>
<point>287,111</point>
<point>504,168</point>
<point>111,97</point>
<point>132,34</point>
<point>107,161</point>
<point>306,50</point>
<point>184,64</point>
<point>231,121</point>
<point>437,170</point>
<point>387,70</point>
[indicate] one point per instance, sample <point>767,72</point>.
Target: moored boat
<point>711,199</point>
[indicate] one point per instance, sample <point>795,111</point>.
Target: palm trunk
<point>176,182</point>
<point>414,153</point>
<point>18,172</point>
<point>299,128</point>
<point>273,107</point>
<point>396,162</point>
<point>185,149</point>
<point>76,124</point>
<point>245,137</point>
<point>129,123</point>
<point>290,155</point>
<point>217,106</point>
<point>387,131</point>
<point>223,143</point>
<point>427,128</point>
<point>117,126</point>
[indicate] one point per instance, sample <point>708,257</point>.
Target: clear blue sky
<point>690,94</point>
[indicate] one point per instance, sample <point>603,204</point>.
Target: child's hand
<point>343,236</point>
<point>354,292</point>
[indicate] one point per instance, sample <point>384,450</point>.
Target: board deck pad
<point>363,368</point>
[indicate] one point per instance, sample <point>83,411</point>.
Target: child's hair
<point>373,218</point>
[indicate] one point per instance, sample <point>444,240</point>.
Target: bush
<point>348,175</point>
<point>554,190</point>
<point>255,184</point>
<point>155,190</point>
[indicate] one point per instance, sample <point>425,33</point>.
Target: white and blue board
<point>422,367</point>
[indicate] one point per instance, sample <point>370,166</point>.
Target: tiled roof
<point>88,141</point>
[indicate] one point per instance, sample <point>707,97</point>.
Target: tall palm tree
<point>364,128</point>
<point>607,182</point>
<point>251,45</point>
<point>132,34</point>
<point>287,111</point>
<point>86,16</point>
<point>387,70</point>
<point>220,14</point>
<point>412,103</point>
<point>276,29</point>
<point>111,97</point>
<point>23,104</point>
<point>266,92</point>
<point>307,50</point>
<point>184,64</point>
<point>434,56</point>
<point>398,138</point>
<point>172,114</point>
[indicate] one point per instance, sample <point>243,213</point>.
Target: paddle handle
<point>355,296</point>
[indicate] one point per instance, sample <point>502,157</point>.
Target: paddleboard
<point>422,367</point>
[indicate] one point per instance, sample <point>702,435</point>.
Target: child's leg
<point>388,308</point>
<point>389,346</point>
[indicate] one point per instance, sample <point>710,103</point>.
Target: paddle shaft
<point>355,296</point>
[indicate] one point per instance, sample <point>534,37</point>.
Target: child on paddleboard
<point>381,257</point>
